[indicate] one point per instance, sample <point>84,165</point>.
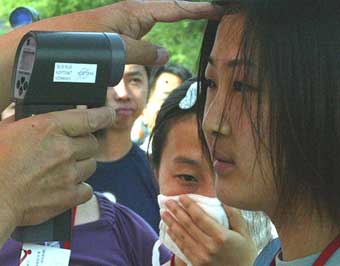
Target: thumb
<point>144,53</point>
<point>236,221</point>
<point>79,122</point>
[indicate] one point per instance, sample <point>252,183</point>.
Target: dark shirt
<point>132,182</point>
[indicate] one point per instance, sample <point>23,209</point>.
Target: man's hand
<point>132,19</point>
<point>45,160</point>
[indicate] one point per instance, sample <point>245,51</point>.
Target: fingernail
<point>184,199</point>
<point>162,56</point>
<point>99,120</point>
<point>165,217</point>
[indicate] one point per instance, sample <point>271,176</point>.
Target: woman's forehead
<point>228,37</point>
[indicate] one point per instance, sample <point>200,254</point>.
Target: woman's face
<point>183,168</point>
<point>240,180</point>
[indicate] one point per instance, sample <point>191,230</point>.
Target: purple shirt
<point>119,238</point>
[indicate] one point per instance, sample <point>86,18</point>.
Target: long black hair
<point>296,47</point>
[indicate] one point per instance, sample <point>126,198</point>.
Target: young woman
<point>182,168</point>
<point>271,117</point>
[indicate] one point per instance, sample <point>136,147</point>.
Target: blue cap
<point>22,16</point>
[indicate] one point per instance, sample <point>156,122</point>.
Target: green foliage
<point>2,31</point>
<point>182,39</point>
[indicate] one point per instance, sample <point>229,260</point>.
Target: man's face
<point>129,96</point>
<point>183,169</point>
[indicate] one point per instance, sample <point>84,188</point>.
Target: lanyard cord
<point>172,262</point>
<point>67,244</point>
<point>328,252</point>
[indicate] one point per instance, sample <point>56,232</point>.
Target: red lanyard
<point>325,255</point>
<point>67,244</point>
<point>172,262</point>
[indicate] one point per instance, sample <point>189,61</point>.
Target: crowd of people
<point>176,170</point>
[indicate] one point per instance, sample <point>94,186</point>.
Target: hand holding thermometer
<point>56,71</point>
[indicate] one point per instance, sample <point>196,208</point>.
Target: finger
<point>81,122</point>
<point>202,220</point>
<point>84,147</point>
<point>176,10</point>
<point>236,221</point>
<point>79,194</point>
<point>191,252</point>
<point>84,169</point>
<point>143,53</point>
<point>186,222</point>
<point>195,253</point>
<point>183,240</point>
<point>83,192</point>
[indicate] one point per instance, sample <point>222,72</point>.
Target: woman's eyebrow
<point>230,63</point>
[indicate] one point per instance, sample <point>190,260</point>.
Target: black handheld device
<point>55,71</point>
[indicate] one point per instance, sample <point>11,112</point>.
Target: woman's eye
<point>210,84</point>
<point>187,178</point>
<point>242,86</point>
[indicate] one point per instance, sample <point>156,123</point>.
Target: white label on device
<point>72,72</point>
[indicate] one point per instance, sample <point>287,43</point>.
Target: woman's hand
<point>205,242</point>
